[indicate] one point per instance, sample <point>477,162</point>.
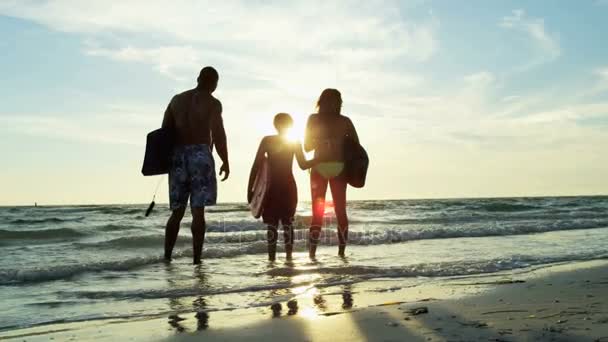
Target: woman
<point>326,133</point>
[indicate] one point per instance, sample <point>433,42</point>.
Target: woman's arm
<point>351,131</point>
<point>301,158</point>
<point>259,157</point>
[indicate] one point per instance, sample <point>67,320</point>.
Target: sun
<point>296,132</point>
<point>293,136</point>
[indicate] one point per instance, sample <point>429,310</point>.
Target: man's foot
<point>288,256</point>
<point>196,262</point>
<point>341,250</point>
<point>167,258</point>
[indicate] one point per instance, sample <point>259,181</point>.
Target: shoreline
<point>560,302</point>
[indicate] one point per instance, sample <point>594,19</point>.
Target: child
<point>282,198</point>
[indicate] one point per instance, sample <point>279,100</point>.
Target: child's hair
<point>282,120</point>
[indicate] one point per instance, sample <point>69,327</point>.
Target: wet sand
<point>558,303</point>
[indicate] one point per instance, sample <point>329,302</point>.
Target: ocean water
<point>78,263</point>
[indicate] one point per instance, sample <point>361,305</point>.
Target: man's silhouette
<point>195,116</point>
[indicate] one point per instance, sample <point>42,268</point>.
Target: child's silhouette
<point>282,198</point>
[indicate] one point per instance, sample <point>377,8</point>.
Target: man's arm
<point>219,139</point>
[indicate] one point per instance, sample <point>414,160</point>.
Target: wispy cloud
<point>281,54</point>
<point>603,74</point>
<point>172,61</point>
<point>100,126</point>
<point>546,44</point>
<point>366,48</point>
<point>350,30</point>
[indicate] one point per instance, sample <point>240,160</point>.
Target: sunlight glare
<point>308,312</point>
<point>296,132</point>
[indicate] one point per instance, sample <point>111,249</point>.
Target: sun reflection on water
<point>308,312</point>
<point>305,294</point>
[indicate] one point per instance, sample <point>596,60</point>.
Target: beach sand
<point>567,302</point>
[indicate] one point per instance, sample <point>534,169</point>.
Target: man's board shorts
<point>192,175</point>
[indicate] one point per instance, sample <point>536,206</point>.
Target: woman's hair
<point>330,102</point>
<point>282,120</point>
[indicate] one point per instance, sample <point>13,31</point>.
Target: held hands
<point>225,169</point>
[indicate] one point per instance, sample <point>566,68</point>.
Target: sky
<point>450,98</point>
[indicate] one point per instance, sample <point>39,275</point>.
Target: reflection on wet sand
<point>199,304</point>
<point>202,320</point>
<point>293,307</point>
<point>302,297</point>
<point>347,297</point>
<point>310,302</point>
<point>320,302</point>
<point>276,309</point>
<point>174,322</point>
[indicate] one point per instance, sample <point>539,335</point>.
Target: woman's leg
<point>318,188</point>
<point>271,235</point>
<point>338,193</point>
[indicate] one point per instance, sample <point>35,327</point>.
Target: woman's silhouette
<point>326,133</point>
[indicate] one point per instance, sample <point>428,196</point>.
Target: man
<point>195,116</point>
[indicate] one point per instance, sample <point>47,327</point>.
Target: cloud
<point>368,49</point>
<point>361,29</point>
<point>569,113</point>
<point>277,55</point>
<point>100,126</point>
<point>545,43</point>
<point>58,127</point>
<point>171,61</point>
<point>480,79</point>
<point>602,73</point>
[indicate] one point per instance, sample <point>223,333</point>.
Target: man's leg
<point>172,230</point>
<point>198,233</point>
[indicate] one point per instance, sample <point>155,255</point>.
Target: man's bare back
<point>196,118</point>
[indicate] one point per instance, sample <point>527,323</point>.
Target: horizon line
<point>307,201</point>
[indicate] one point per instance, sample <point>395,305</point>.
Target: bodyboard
<point>159,146</point>
<point>356,163</point>
<point>261,186</point>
